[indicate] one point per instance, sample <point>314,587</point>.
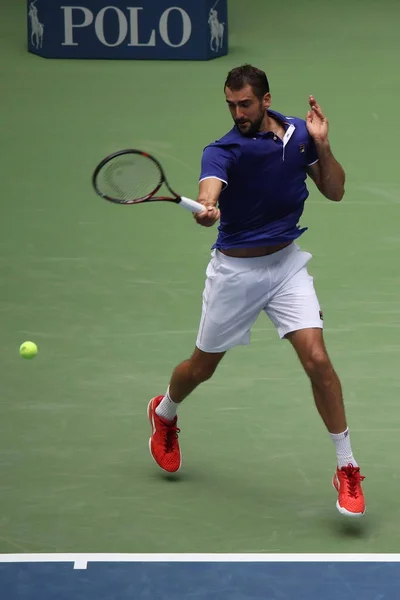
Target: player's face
<point>247,110</point>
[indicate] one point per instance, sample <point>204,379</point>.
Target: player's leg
<point>162,410</point>
<point>327,390</point>
<point>232,301</point>
<point>295,311</point>
<point>310,347</point>
<point>191,372</point>
<point>185,378</point>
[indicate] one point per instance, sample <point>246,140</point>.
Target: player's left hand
<point>317,123</point>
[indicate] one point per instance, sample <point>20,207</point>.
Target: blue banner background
<point>150,30</point>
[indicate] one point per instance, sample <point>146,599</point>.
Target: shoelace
<point>354,478</point>
<point>170,437</point>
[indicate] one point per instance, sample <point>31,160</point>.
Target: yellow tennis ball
<point>28,350</point>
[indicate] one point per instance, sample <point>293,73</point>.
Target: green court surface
<point>112,297</point>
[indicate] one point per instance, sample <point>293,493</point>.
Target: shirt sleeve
<point>216,162</point>
<point>312,155</point>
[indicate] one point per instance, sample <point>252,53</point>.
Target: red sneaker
<point>163,444</point>
<point>347,481</point>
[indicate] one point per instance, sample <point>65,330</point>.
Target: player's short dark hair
<point>239,77</point>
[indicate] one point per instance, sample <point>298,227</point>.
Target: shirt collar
<point>280,117</point>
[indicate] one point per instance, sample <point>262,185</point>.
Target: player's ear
<point>267,101</point>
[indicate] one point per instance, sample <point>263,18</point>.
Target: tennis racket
<point>134,177</point>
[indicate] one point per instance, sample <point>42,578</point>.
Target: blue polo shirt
<point>265,183</point>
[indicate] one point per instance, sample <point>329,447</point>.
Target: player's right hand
<point>208,217</point>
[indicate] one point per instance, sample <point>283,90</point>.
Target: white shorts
<point>238,289</point>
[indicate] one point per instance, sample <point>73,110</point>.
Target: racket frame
<point>149,197</point>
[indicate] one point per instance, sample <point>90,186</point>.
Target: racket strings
<point>129,177</point>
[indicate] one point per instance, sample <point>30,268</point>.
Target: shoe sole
<point>342,510</point>
<point>151,454</point>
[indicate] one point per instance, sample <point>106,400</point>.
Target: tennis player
<point>253,180</point>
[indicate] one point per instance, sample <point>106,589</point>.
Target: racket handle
<point>192,205</point>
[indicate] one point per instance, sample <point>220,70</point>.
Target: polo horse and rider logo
<point>216,29</point>
<point>37,28</point>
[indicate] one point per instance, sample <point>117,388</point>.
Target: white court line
<point>81,560</point>
<point>80,563</point>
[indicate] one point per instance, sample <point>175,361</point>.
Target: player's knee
<point>318,366</point>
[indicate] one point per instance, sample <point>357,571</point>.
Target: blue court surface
<point>199,577</point>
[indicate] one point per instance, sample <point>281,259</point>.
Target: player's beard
<point>250,128</point>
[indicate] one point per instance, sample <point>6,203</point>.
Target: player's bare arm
<point>328,174</point>
<point>209,191</point>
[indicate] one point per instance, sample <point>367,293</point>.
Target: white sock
<point>167,408</point>
<point>343,449</point>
